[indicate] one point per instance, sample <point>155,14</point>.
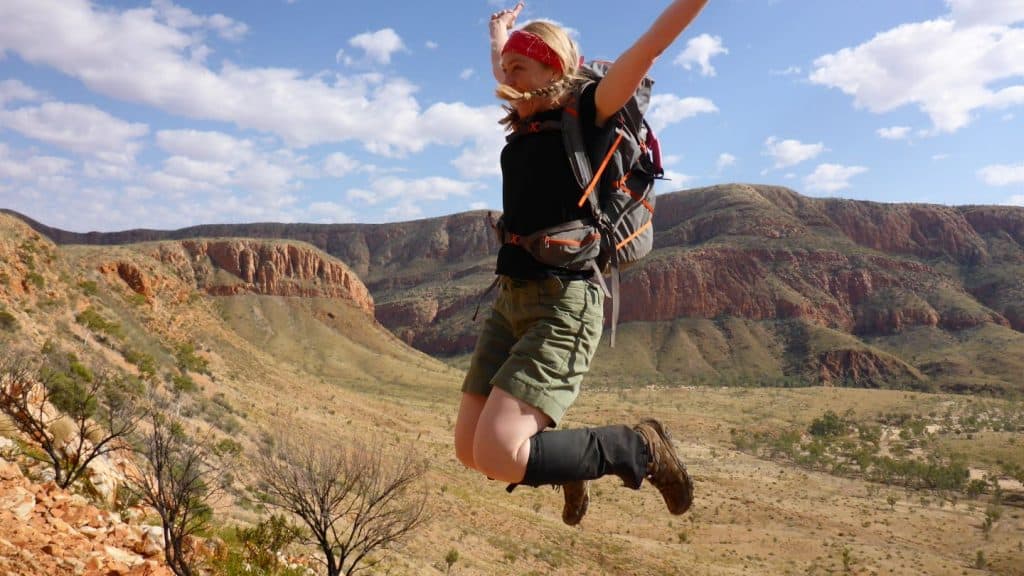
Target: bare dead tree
<point>101,413</point>
<point>178,479</point>
<point>352,499</point>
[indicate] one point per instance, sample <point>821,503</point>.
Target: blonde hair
<point>559,41</point>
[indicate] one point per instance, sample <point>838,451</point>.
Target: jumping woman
<point>546,323</point>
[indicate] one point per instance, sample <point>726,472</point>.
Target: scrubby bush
<point>182,383</point>
<point>36,279</point>
<point>144,362</point>
<point>8,322</point>
<point>88,287</point>
<point>95,413</point>
<point>95,322</point>
<point>189,361</point>
<point>829,425</point>
<point>264,542</point>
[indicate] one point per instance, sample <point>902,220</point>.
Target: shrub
<point>228,446</point>
<point>263,542</point>
<point>7,321</point>
<point>36,280</point>
<point>95,322</point>
<point>829,425</point>
<point>451,558</point>
<point>976,488</point>
<point>89,288</point>
<point>144,362</point>
<point>188,360</point>
<point>182,383</point>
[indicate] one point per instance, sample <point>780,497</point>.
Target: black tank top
<point>539,189</point>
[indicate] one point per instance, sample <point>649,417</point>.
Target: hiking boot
<point>577,500</point>
<point>665,470</point>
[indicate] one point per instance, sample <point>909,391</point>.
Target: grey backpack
<point>620,193</point>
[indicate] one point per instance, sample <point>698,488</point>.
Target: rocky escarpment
<point>237,266</point>
<point>227,267</point>
<point>388,254</point>
<point>768,253</point>
<point>855,293</point>
<point>861,368</point>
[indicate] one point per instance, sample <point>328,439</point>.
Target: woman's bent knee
<point>464,452</point>
<point>499,462</point>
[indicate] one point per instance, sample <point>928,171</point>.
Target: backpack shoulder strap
<point>572,136</point>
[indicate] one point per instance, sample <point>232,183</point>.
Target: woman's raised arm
<point>501,23</point>
<point>628,70</point>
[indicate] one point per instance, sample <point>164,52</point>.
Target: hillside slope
<point>300,353</point>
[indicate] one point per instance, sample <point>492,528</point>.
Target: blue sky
<point>119,114</point>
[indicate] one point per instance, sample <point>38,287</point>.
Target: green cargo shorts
<point>538,342</point>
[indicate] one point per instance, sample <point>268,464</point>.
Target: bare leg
<point>501,446</point>
<point>465,427</point>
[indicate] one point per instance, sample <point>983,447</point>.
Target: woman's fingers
<point>508,16</point>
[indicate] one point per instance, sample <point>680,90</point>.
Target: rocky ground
<point>47,530</point>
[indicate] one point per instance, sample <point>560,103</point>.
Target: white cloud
<point>478,205</point>
<point>481,160</point>
<point>184,19</point>
<point>670,159</point>
<point>666,109</point>
<point>227,28</point>
<point>106,49</point>
<point>949,68</point>
<point>82,129</point>
<point>673,181</point>
<point>699,51</point>
<point>379,45</point>
<point>1002,174</point>
<point>725,160</point>
<point>13,90</point>
<point>1016,200</point>
<point>339,165</point>
<point>431,189</point>
<point>939,157</point>
<point>214,173</point>
<point>832,177</point>
<point>362,195</point>
<point>205,146</point>
<point>975,12</point>
<point>431,45</point>
<point>894,132</point>
<point>466,74</point>
<point>217,163</point>
<point>97,170</point>
<point>790,71</point>
<point>790,152</point>
<point>328,212</point>
<point>404,212</point>
<point>31,167</point>
<point>448,121</point>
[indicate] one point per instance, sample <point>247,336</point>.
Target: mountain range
<point>747,284</point>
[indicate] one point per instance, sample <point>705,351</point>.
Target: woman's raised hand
<point>506,19</point>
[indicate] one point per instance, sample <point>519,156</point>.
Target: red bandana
<point>533,47</point>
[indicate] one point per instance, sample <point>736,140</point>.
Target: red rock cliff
<point>271,268</point>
